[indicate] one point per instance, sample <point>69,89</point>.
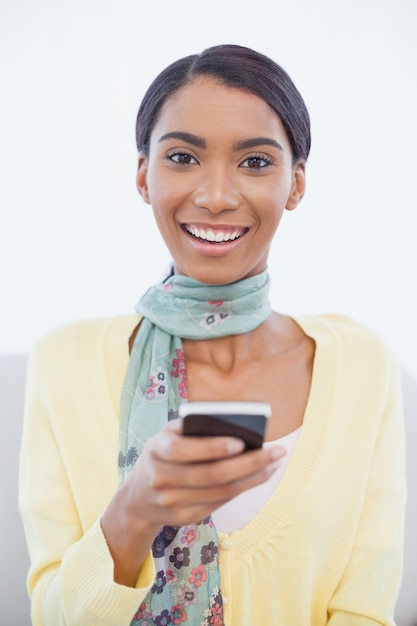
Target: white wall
<point>75,239</point>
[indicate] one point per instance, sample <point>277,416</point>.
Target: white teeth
<point>214,237</point>
<point>219,237</point>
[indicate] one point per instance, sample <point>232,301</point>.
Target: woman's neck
<point>279,334</point>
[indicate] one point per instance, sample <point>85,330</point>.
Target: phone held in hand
<point>245,420</point>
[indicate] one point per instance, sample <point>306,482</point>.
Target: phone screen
<point>245,420</point>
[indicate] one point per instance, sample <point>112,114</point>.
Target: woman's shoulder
<point>83,338</point>
<point>350,335</point>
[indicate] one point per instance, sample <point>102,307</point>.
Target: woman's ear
<point>298,186</point>
<point>141,177</point>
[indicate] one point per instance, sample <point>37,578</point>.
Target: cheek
<point>165,195</point>
<point>162,220</point>
<point>270,191</point>
<point>164,211</point>
<point>157,190</point>
<point>272,206</point>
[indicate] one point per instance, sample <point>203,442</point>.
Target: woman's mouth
<point>213,235</point>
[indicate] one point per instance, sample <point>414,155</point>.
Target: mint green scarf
<point>186,590</point>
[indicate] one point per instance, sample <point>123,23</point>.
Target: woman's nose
<point>217,191</point>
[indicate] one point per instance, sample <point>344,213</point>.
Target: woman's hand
<point>178,481</point>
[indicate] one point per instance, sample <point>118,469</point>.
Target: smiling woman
<point>219,167</point>
<point>194,529</point>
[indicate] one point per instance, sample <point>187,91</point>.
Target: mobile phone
<point>245,420</point>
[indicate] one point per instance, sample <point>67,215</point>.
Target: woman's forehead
<point>205,105</point>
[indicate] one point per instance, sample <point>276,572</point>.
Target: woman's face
<point>218,177</point>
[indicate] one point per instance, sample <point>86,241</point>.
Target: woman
<point>306,530</point>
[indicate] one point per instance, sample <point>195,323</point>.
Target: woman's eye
<point>256,162</point>
<point>182,158</point>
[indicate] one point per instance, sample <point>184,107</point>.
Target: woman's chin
<point>216,276</point>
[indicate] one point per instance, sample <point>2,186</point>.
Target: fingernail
<point>235,445</point>
<point>278,452</point>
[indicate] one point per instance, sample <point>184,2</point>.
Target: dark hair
<point>234,66</point>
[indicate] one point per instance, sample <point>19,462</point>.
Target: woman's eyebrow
<point>194,140</point>
<point>199,142</point>
<point>253,142</point>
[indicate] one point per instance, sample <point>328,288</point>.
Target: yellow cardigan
<point>325,549</point>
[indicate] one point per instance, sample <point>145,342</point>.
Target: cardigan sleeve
<point>369,587</point>
<point>71,575</point>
